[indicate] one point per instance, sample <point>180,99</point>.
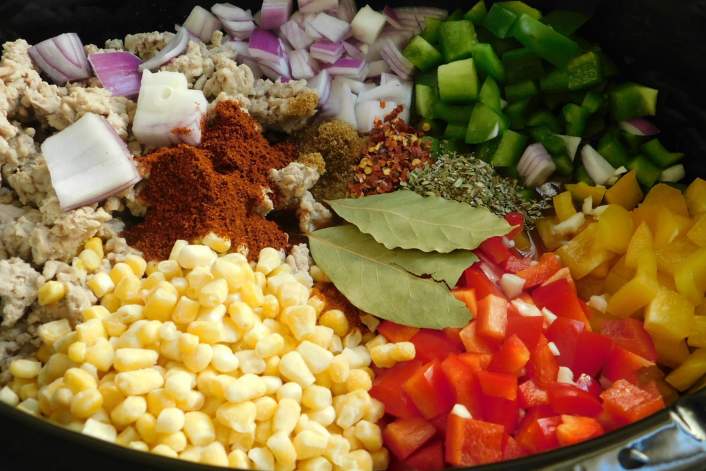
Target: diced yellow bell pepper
<point>582,254</point>
<point>522,241</point>
<point>697,233</point>
<point>693,368</point>
<point>669,315</point>
<point>546,234</point>
<point>626,192</point>
<point>615,228</point>
<point>696,197</point>
<point>640,253</point>
<point>685,281</point>
<point>666,281</point>
<point>700,309</point>
<point>662,195</point>
<point>672,256</point>
<point>697,337</point>
<point>668,226</point>
<point>563,206</point>
<point>590,286</point>
<point>619,275</point>
<point>582,190</point>
<point>669,352</point>
<point>632,296</point>
<point>602,270</point>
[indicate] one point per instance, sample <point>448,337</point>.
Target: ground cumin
<point>217,186</point>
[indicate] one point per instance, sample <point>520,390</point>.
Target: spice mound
<point>220,187</point>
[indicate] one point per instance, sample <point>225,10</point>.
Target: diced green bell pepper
<point>500,20</point>
<point>424,99</point>
<point>593,101</point>
<point>457,39</point>
<point>546,119</point>
<point>608,66</point>
<point>517,113</point>
<point>595,126</point>
<point>632,141</point>
<point>486,150</point>
<point>553,101</point>
<point>565,21</point>
<point>556,147</point>
<point>585,71</point>
<point>432,28</point>
<point>427,78</point>
<point>458,81</point>
<point>647,172</point>
<point>509,150</point>
<point>541,39</point>
<point>490,94</point>
<point>423,55</point>
<point>488,62</point>
<point>655,151</point>
<point>575,119</point>
<point>477,13</point>
<point>613,150</point>
<point>455,131</point>
<point>485,124</point>
<point>522,64</point>
<point>631,100</point>
<point>521,90</point>
<point>522,8</point>
<point>452,113</point>
<point>581,175</point>
<point>555,81</point>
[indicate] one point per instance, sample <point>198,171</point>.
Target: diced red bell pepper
<point>535,275</point>
<point>512,450</point>
<point>492,317</point>
<point>539,434</point>
<point>631,335</point>
<point>575,429</point>
<point>396,332</point>
<point>529,329</point>
<point>569,399</point>
<point>433,345</point>
<point>472,442</point>
<point>473,342</point>
<point>429,390</point>
<point>588,384</point>
<point>453,334</point>
<point>501,411</point>
<point>440,422</point>
<point>468,297</point>
<point>464,383</point>
<point>474,278</point>
<point>511,358</point>
<point>405,436</point>
<point>560,298</point>
<point>592,352</point>
<point>542,366</point>
<point>516,221</point>
<point>498,384</point>
<point>495,249</point>
<point>628,403</point>
<point>429,458</point>
<point>387,388</point>
<point>624,364</point>
<point>529,394</point>
<point>517,264</point>
<point>561,274</point>
<point>477,361</point>
<point>565,332</point>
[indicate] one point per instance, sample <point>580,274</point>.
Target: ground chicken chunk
<point>78,297</point>
<point>30,180</point>
<point>18,341</point>
<point>312,214</point>
<point>300,262</point>
<point>292,182</point>
<point>146,45</point>
<point>230,81</point>
<point>283,106</point>
<point>18,75</point>
<point>16,143</point>
<point>18,289</point>
<point>198,63</point>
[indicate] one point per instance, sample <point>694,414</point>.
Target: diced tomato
<point>462,377</point>
<point>592,352</point>
<point>468,297</point>
<point>433,345</point>
<point>531,395</point>
<point>511,358</point>
<point>501,411</point>
<point>472,442</point>
<point>517,264</point>
<point>387,388</point>
<point>498,384</point>
<point>632,336</point>
<point>569,399</point>
<point>405,436</point>
<point>529,329</point>
<point>535,275</point>
<point>512,450</point>
<point>453,334</point>
<point>396,332</point>
<point>539,434</point>
<point>473,342</point>
<point>429,390</point>
<point>565,332</point>
<point>429,458</point>
<point>542,366</point>
<point>623,364</point>
<point>492,317</point>
<point>574,429</point>
<point>628,403</point>
<point>588,384</point>
<point>560,298</point>
<point>495,249</point>
<point>474,278</point>
<point>516,221</point>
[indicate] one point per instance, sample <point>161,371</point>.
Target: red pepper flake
<point>395,150</point>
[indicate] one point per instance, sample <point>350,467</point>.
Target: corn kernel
<point>239,417</point>
<point>95,244</point>
<point>8,396</point>
<point>137,264</point>
<point>25,369</point>
<point>252,294</point>
<point>337,449</point>
<point>361,460</point>
<point>128,435</point>
<point>185,311</point>
<point>129,289</point>
<point>316,397</point>
<point>283,449</point>
<point>357,357</point>
<point>359,379</point>
<point>99,430</point>
<point>94,312</point>
<point>192,256</point>
<point>216,243</point>
<point>158,400</point>
<point>139,445</point>
<point>199,359</point>
<point>293,367</point>
<point>169,269</point>
<point>238,459</point>
<point>164,450</point>
<point>272,366</point>
<point>262,458</point>
<point>246,388</point>
<point>119,271</point>
<point>268,260</point>
<point>339,369</point>
<point>369,435</point>
<point>136,382</point>
<point>57,365</point>
<point>79,380</point>
<point>269,345</point>
<point>212,314</point>
<point>214,454</point>
<point>301,320</point>
<point>51,292</point>
<point>27,391</point>
<point>317,358</point>
<point>153,280</point>
<point>176,248</point>
<point>318,303</point>
<point>265,407</point>
<point>242,315</point>
<point>111,302</point>
<point>199,428</point>
<point>91,261</point>
<point>263,431</point>
<point>213,293</point>
<point>101,284</point>
<point>250,362</point>
<point>30,406</point>
<point>180,284</point>
<point>270,306</point>
<point>318,463</point>
<point>160,304</point>
<point>286,415</point>
<point>86,403</point>
<point>188,343</point>
<point>351,407</point>
<point>370,322</point>
<point>375,341</point>
<point>170,420</point>
<point>290,391</point>
<point>324,416</point>
<point>100,354</point>
<point>207,331</point>
<point>50,332</point>
<point>148,333</point>
<point>145,427</point>
<point>292,294</point>
<point>235,273</point>
<point>349,434</point>
<point>128,411</point>
<point>128,359</point>
<point>336,320</point>
<point>242,440</point>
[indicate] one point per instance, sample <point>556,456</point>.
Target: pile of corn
<point>212,359</point>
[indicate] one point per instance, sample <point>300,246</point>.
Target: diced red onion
<point>62,58</point>
<point>326,51</point>
<point>348,67</point>
<point>274,13</point>
<point>118,72</point>
<point>316,6</point>
<point>228,12</point>
<point>391,17</point>
<point>639,127</point>
<point>387,78</point>
<point>346,10</point>
<point>352,49</point>
<point>399,38</point>
<point>301,64</point>
<point>274,69</point>
<point>394,58</point>
<point>201,23</point>
<point>377,68</point>
<point>265,46</point>
<point>321,83</point>
<point>296,36</point>
<point>414,18</point>
<point>389,91</point>
<point>239,29</point>
<point>309,29</point>
<point>241,48</point>
<point>535,165</point>
<point>175,47</point>
<point>88,162</point>
<point>192,36</point>
<point>330,27</point>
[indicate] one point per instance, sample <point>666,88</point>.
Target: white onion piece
<point>316,6</point>
<point>535,165</point>
<point>201,23</point>
<point>62,58</point>
<point>346,10</point>
<point>639,127</point>
<point>295,35</point>
<point>118,72</point>
<point>389,91</point>
<point>368,112</point>
<point>399,38</point>
<point>394,58</point>
<point>356,86</point>
<point>88,162</point>
<point>572,144</point>
<point>597,167</point>
<point>168,112</point>
<point>228,12</point>
<point>367,25</point>
<point>274,13</point>
<point>347,109</point>
<point>321,83</point>
<point>309,28</point>
<point>326,51</point>
<point>239,29</point>
<point>175,47</point>
<point>330,27</point>
<point>348,67</point>
<point>301,64</point>
<point>673,174</point>
<point>377,68</point>
<point>265,46</point>
<point>386,77</point>
<point>391,17</point>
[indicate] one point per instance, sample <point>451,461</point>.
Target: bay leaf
<point>361,269</point>
<point>446,267</point>
<point>404,219</point>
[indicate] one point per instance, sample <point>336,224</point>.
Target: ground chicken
<point>18,289</point>
<point>300,262</point>
<point>230,81</point>
<point>283,106</point>
<point>146,45</point>
<point>293,183</point>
